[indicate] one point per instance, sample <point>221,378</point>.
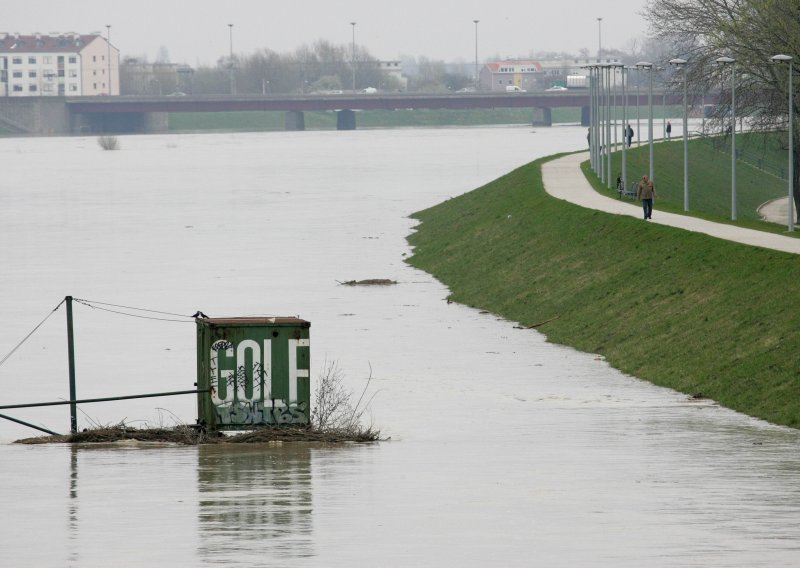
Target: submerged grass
<point>679,309</point>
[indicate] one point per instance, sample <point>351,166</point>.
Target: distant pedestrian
<point>620,186</point>
<point>669,130</point>
<point>629,135</point>
<point>589,137</point>
<point>646,192</point>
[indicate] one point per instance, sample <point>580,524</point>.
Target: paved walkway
<point>564,179</point>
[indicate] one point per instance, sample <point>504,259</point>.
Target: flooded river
<point>503,449</point>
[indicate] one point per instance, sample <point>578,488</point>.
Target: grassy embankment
<point>265,121</point>
<point>679,309</point>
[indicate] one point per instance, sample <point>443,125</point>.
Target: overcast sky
<point>196,31</point>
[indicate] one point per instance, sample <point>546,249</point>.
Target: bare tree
<point>749,31</point>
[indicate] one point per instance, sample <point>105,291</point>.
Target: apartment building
<point>57,65</point>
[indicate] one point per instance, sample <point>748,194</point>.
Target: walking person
<point>669,130</point>
<point>629,134</point>
<point>646,192</point>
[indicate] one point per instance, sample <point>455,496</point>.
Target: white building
<point>57,65</point>
<point>394,69</point>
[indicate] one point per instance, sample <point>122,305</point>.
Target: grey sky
<point>196,31</point>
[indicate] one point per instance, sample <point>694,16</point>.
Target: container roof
<point>274,320</point>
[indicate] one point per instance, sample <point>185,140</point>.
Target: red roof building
<point>52,65</point>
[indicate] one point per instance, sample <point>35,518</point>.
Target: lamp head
<point>780,58</point>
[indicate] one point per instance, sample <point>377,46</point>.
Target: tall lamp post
<point>638,107</point>
<point>476,53</point>
<point>608,70</point>
<point>599,37</point>
<point>602,117</point>
<point>788,59</point>
<point>108,57</point>
<point>681,64</point>
<point>649,66</point>
<point>732,62</point>
<point>625,130</point>
<point>230,59</point>
<point>612,68</point>
<point>353,55</point>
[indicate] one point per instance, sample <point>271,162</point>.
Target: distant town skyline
<point>199,34</point>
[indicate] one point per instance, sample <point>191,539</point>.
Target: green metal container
<point>257,372</point>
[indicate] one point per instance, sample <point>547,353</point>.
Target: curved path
<point>564,179</point>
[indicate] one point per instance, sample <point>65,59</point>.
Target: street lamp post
<point>788,59</point>
<point>353,55</point>
<point>108,57</point>
<point>230,59</point>
<point>625,130</point>
<point>476,53</point>
<point>732,63</point>
<point>599,37</point>
<point>608,69</point>
<point>649,66</point>
<point>601,100</point>
<point>681,64</point>
<point>589,137</point>
<point>638,107</point>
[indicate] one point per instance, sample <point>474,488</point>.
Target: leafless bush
<point>108,142</point>
<point>334,409</point>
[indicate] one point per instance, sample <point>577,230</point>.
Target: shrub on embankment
<point>679,309</point>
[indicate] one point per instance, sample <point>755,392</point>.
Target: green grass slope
<point>681,310</point>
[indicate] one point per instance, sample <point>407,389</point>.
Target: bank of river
<point>706,317</point>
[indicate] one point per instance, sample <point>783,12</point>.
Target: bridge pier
<point>345,119</point>
<point>585,116</point>
<point>542,117</point>
<point>119,123</point>
<point>295,120</point>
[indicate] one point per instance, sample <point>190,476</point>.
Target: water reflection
<point>254,500</point>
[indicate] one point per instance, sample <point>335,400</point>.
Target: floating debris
<point>369,282</point>
<point>190,436</point>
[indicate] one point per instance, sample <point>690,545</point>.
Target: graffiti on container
<point>243,395</point>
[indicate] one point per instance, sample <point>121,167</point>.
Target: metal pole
<point>614,114</point>
<point>73,408</point>
<point>103,399</point>
<point>638,107</point>
<point>685,146</point>
<point>681,64</point>
<point>791,152</point>
<point>354,55</point>
<point>599,37</point>
<point>733,141</point>
<point>625,137</point>
<point>591,120</point>
<point>230,59</point>
<point>29,425</point>
<point>602,133</point>
<point>608,127</point>
<point>476,54</point>
<point>650,123</point>
<point>108,42</point>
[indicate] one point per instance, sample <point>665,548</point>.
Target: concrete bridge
<point>122,114</point>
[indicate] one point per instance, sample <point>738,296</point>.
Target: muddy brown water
<point>504,449</point>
